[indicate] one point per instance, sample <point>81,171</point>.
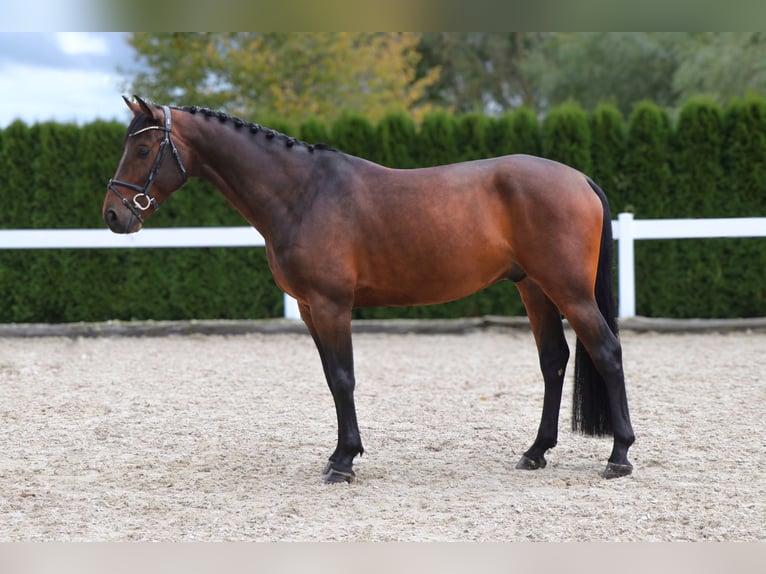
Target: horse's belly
<point>431,280</point>
<point>375,297</point>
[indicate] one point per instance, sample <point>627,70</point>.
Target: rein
<point>144,199</point>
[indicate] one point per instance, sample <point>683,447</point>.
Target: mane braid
<point>254,128</point>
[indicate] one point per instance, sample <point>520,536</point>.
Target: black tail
<point>590,407</point>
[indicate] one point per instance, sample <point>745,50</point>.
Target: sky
<point>63,76</point>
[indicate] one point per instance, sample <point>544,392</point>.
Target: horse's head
<point>149,171</point>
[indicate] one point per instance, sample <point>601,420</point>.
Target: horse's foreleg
<point>330,326</point>
<point>545,321</point>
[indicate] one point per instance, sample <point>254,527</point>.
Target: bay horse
<point>343,232</point>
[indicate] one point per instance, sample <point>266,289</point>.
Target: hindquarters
<point>563,240</point>
<point>562,237</point>
<point>600,398</point>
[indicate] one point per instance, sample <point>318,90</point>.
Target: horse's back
<point>437,234</point>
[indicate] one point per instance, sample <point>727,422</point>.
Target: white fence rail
<point>626,231</point>
<point>146,238</point>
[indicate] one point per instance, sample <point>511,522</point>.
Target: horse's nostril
<point>111,216</point>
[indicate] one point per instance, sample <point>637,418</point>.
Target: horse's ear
<point>132,105</point>
<point>142,106</point>
<point>147,108</point>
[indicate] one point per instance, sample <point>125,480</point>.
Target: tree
<point>697,174</point>
<point>566,136</point>
<point>622,68</point>
<point>722,65</point>
<point>291,75</point>
<point>21,148</point>
<point>481,71</point>
<point>607,150</point>
<point>437,139</point>
<point>472,137</point>
<point>298,75</point>
<point>354,134</point>
<point>647,175</point>
<point>645,165</point>
<point>396,141</point>
<point>526,132</point>
<point>744,164</point>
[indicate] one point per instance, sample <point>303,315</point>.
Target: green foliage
<point>545,69</point>
<point>479,67</point>
<point>437,140</point>
<point>607,150</point>
<point>647,174</point>
<point>743,192</point>
<point>526,132</point>
<point>354,134</point>
<point>645,165</point>
<point>17,159</point>
<point>566,136</point>
<point>697,176</point>
<point>711,163</point>
<point>283,74</point>
<point>499,136</point>
<point>619,67</point>
<point>697,145</point>
<point>55,175</point>
<point>744,157</point>
<point>722,65</point>
<point>395,135</point>
<point>513,132</point>
<point>472,137</point>
<point>314,131</point>
<point>323,74</point>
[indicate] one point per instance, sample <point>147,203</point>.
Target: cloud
<point>62,76</point>
<point>81,43</point>
<point>100,50</point>
<point>30,48</point>
<point>59,95</point>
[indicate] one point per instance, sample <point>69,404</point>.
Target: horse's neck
<point>262,178</point>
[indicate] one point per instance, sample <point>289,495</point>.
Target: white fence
<point>626,231</point>
<point>157,237</point>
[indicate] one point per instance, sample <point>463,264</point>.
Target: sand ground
<point>208,437</point>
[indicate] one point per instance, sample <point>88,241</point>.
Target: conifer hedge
<point>707,162</point>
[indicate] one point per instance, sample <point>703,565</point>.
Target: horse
<point>343,232</point>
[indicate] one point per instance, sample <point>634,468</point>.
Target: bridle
<point>144,199</point>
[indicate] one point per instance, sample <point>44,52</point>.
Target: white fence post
<point>625,266</point>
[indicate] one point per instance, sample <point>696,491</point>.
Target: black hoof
<point>614,470</point>
<point>526,463</point>
<point>333,476</point>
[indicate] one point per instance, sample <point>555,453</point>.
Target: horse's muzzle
<point>121,220</point>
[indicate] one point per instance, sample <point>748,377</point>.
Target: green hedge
<point>708,162</point>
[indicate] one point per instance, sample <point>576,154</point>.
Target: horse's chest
<point>278,270</point>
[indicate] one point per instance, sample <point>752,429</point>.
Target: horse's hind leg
<point>545,321</point>
<point>605,351</point>
<point>330,327</point>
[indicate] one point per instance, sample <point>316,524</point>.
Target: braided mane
<point>253,128</point>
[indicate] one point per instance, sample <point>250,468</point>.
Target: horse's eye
<point>143,152</point>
